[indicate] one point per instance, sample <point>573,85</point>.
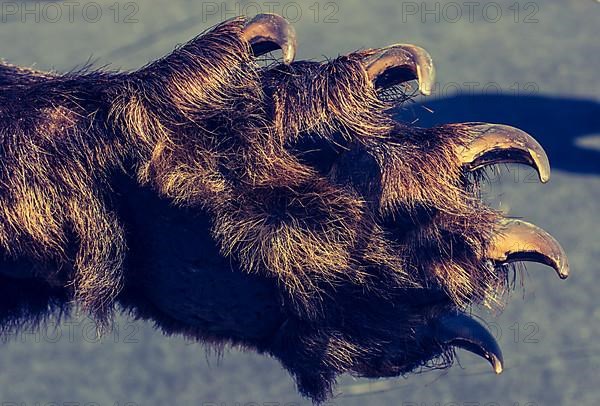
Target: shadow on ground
<point>557,123</point>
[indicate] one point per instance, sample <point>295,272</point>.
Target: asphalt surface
<point>529,64</point>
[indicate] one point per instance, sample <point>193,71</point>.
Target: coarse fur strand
<point>361,227</point>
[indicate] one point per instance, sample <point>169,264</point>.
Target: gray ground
<point>536,70</point>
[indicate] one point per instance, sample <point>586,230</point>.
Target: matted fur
<point>368,227</point>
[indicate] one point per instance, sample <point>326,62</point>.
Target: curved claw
<point>400,63</point>
<point>522,241</point>
<point>463,331</point>
<point>498,143</point>
<point>268,32</point>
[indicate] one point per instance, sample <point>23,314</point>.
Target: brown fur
<point>306,177</point>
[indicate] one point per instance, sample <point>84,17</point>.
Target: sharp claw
<point>497,143</point>
<point>400,63</point>
<point>522,241</point>
<point>463,331</point>
<point>268,32</point>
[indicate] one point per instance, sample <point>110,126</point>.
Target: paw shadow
<point>557,123</point>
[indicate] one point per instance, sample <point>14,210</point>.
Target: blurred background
<point>530,64</point>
